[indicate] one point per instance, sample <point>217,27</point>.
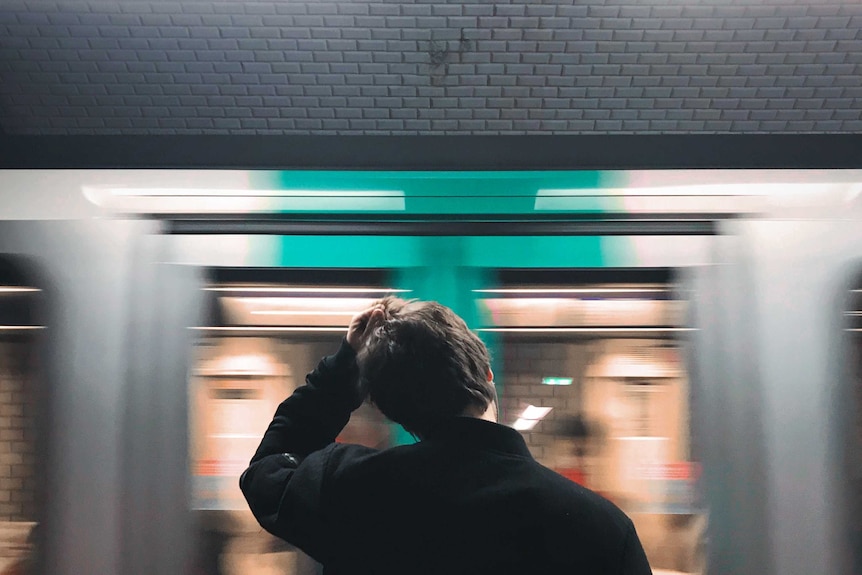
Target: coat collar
<point>478,433</point>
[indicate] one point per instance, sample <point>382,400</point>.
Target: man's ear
<point>490,375</point>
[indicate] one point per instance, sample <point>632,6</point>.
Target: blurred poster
<point>637,456</point>
<point>232,431</point>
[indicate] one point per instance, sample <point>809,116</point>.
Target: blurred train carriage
<point>679,341</point>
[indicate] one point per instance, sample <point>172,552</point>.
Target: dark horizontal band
<point>564,152</point>
<point>443,228</point>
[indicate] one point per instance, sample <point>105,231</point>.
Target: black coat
<point>469,498</point>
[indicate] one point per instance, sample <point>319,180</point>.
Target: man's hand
<point>363,324</point>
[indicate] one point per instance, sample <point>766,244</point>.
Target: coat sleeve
<point>285,483</point>
<point>315,414</point>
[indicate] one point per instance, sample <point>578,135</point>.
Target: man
<point>468,498</point>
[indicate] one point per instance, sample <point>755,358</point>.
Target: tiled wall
<point>17,436</point>
<point>525,365</point>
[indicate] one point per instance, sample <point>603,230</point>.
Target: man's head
<point>422,364</point>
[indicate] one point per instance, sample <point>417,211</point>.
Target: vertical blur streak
<point>727,411</point>
<point>154,463</point>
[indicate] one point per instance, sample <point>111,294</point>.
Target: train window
<point>20,485</point>
<point>592,376</point>
<point>267,329</point>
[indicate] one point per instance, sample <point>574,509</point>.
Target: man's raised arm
<point>313,416</point>
<point>306,422</point>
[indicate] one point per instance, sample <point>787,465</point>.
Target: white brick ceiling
<point>421,67</point>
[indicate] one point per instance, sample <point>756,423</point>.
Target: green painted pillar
<point>440,275</point>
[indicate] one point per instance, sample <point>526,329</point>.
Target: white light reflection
<point>223,200</point>
<point>571,290</point>
<point>213,192</point>
<point>533,412</point>
<point>524,424</point>
<point>585,329</point>
<point>310,289</point>
<point>531,416</point>
<point>308,303</point>
<point>270,328</point>
<point>734,190</point>
<point>304,312</point>
<point>245,363</point>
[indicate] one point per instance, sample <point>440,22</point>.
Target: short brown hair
<point>424,364</point>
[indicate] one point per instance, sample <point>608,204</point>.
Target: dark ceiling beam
<point>811,151</point>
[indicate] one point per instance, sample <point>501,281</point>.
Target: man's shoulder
<point>566,494</point>
<point>348,456</point>
<point>349,461</point>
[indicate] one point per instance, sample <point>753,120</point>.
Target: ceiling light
<point>571,290</point>
<point>309,289</point>
<point>273,328</point>
<point>730,190</point>
<point>533,412</point>
<point>585,329</point>
<point>214,192</point>
<point>524,424</point>
<point>530,417</point>
<point>303,312</point>
<point>242,200</point>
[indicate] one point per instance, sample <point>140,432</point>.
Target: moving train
<point>685,342</point>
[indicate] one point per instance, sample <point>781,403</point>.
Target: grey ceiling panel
<point>476,67</point>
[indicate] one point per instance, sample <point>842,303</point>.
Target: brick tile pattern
<point>17,439</point>
<point>429,67</point>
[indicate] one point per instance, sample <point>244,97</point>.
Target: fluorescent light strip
<point>524,424</point>
<point>20,327</point>
<point>310,289</point>
<point>717,190</point>
<point>275,328</point>
<point>531,416</point>
<point>572,290</point>
<point>246,193</point>
<point>310,312</point>
<point>853,313</point>
<point>10,289</point>
<point>533,412</point>
<point>585,329</point>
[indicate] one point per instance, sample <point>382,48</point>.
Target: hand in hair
<point>363,324</point>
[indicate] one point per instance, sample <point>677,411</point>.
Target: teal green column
<point>441,275</point>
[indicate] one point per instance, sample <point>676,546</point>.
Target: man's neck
<point>490,413</point>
